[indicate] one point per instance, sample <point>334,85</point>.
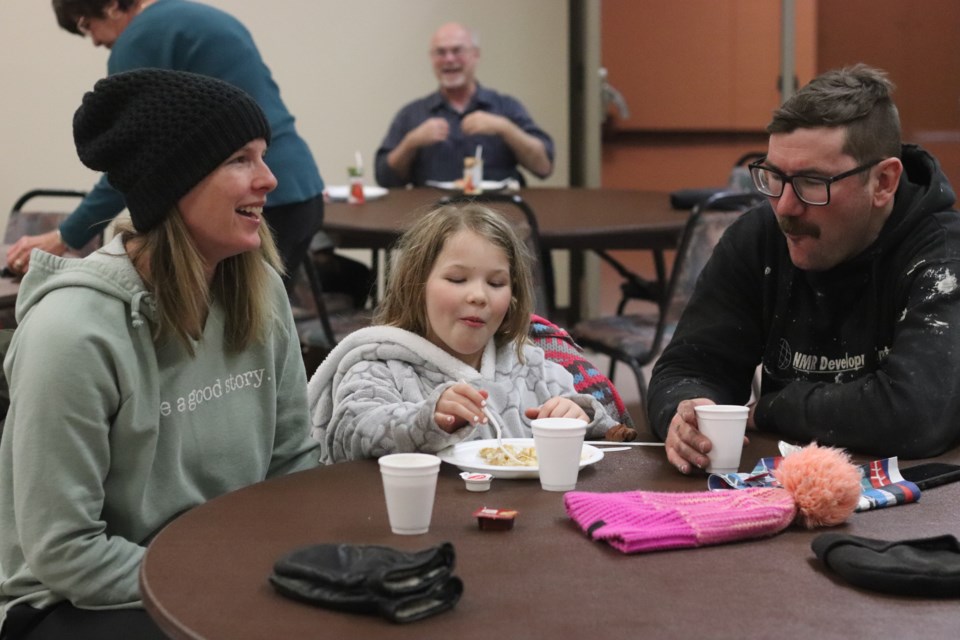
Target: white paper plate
<point>486,185</point>
<point>466,456</point>
<point>340,191</point>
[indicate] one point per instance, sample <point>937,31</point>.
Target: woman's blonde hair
<point>240,283</point>
<point>404,303</point>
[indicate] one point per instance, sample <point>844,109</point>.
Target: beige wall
<point>344,68</point>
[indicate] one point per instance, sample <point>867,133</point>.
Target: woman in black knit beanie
<point>158,373</point>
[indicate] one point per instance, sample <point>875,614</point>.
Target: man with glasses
<point>430,137</point>
<point>843,289</point>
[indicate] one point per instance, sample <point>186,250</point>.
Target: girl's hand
<point>459,406</point>
<point>557,407</point>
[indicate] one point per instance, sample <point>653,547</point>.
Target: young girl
<point>450,340</point>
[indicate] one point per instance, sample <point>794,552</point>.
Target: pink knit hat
<point>819,487</point>
<point>635,521</point>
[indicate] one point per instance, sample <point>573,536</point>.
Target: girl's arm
<point>383,407</point>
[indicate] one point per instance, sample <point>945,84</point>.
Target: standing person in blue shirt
<point>189,36</point>
<point>430,137</point>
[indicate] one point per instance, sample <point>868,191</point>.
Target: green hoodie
<point>110,436</point>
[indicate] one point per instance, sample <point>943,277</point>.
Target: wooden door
<point>700,78</point>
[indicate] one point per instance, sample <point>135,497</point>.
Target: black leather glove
<point>921,567</point>
<point>401,586</point>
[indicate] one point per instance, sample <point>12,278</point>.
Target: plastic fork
<point>499,429</point>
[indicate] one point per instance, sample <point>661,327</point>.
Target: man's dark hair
<point>69,11</point>
<point>857,98</point>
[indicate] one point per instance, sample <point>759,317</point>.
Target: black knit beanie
<point>157,133</point>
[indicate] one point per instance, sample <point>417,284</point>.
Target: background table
<point>570,218</point>
<point>9,286</point>
<point>205,575</point>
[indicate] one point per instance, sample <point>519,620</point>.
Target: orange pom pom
<point>823,482</point>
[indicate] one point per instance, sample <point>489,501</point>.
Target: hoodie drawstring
<point>135,302</point>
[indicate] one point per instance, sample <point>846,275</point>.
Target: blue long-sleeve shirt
<point>443,161</point>
<point>188,36</point>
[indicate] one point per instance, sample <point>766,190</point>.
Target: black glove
<point>922,567</point>
<point>399,585</point>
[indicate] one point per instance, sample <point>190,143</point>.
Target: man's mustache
<point>797,227</point>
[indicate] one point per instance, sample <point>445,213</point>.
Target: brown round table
<point>205,575</point>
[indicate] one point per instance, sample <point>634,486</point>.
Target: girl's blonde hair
<point>175,276</point>
<point>404,303</point>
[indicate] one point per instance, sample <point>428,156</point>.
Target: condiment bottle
<point>355,194</point>
<point>472,176</point>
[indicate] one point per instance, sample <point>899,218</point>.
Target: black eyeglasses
<point>814,190</point>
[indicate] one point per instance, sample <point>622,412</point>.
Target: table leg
<point>661,267</point>
<point>375,276</point>
<point>575,309</point>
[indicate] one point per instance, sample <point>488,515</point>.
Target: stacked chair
<point>637,339</point>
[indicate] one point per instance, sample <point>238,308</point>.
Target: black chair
<point>739,180</point>
<point>29,222</point>
<point>637,339</point>
<point>543,264</point>
<point>635,286</point>
<point>24,221</point>
<point>332,317</point>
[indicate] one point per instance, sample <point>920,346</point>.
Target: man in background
<point>430,137</point>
